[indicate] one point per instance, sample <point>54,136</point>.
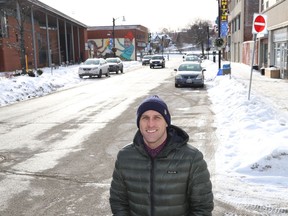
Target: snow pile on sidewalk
<point>20,88</point>
<point>253,134</point>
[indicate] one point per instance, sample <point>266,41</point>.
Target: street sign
<point>259,24</point>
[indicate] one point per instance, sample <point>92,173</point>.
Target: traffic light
<point>149,37</point>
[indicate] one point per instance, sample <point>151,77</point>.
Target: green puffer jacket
<point>175,183</point>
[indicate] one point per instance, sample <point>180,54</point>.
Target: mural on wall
<point>127,48</point>
<point>98,47</point>
<point>103,47</point>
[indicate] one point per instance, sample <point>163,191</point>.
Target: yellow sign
<point>224,10</point>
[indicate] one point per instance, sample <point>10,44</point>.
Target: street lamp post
<point>113,35</point>
<point>208,41</point>
<point>219,32</point>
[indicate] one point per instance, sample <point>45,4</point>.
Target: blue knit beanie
<point>156,104</point>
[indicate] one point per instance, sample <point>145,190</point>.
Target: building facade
<point>271,48</point>
<point>240,37</point>
<point>34,35</point>
<point>274,46</point>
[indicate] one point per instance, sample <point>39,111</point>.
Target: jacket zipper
<point>151,187</point>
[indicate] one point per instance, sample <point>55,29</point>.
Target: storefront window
<point>277,54</point>
<point>280,38</point>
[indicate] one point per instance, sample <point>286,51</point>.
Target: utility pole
<point>208,41</point>
<point>219,32</point>
<point>113,35</point>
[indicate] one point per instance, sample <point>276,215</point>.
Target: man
<point>159,174</point>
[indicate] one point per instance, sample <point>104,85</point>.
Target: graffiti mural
<point>103,47</point>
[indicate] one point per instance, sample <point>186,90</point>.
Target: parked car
<point>94,67</point>
<point>115,64</point>
<point>189,74</point>
<point>157,60</point>
<point>193,58</point>
<point>146,59</point>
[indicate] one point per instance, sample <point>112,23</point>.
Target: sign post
<point>259,26</point>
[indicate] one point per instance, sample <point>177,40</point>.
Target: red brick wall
<point>10,55</point>
<point>248,51</point>
<point>11,46</point>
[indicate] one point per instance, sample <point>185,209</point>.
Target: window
<point>3,24</point>
<point>239,22</point>
<point>262,5</point>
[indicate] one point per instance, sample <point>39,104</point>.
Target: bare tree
<point>21,13</point>
<point>200,33</point>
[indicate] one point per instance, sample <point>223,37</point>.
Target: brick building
<point>240,39</point>
<point>274,46</point>
<point>271,48</point>
<point>34,35</point>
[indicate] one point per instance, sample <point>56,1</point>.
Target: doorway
<point>283,61</point>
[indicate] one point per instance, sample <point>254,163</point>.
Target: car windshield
<point>190,67</point>
<point>92,62</point>
<point>157,57</point>
<point>112,60</point>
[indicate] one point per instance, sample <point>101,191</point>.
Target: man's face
<point>152,126</point>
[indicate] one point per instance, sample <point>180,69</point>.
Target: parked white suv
<point>157,60</point>
<point>94,67</point>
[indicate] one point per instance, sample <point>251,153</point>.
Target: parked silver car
<point>193,58</point>
<point>94,67</point>
<point>189,74</point>
<point>115,64</point>
<point>146,59</point>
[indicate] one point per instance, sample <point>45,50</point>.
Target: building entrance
<point>281,59</point>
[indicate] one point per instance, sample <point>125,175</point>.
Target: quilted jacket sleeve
<point>118,195</point>
<point>200,188</point>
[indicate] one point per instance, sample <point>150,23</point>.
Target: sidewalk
<point>274,90</point>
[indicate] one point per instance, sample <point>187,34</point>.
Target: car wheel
<point>100,74</point>
<point>80,76</point>
<point>122,70</point>
<point>176,85</point>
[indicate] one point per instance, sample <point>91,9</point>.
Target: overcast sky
<point>155,15</point>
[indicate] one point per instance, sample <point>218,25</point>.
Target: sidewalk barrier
<point>226,69</point>
<point>220,72</point>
